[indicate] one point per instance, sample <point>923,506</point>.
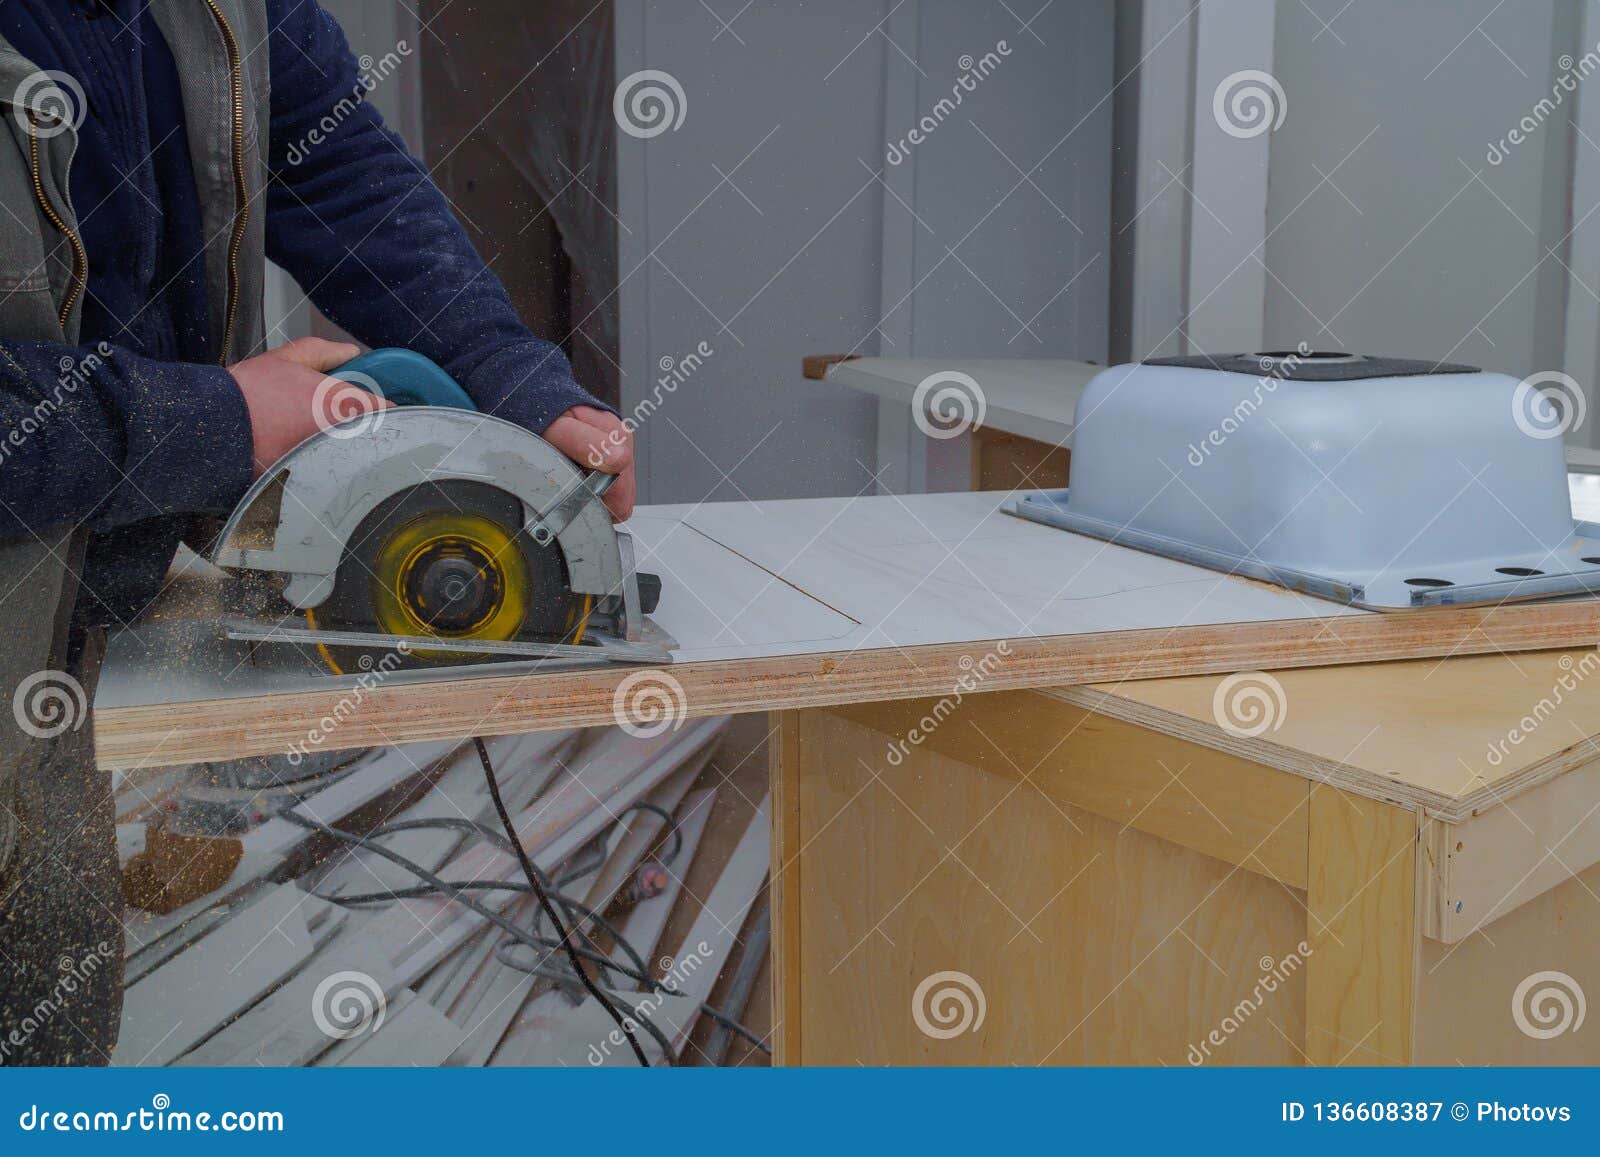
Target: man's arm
<point>356,220</point>
<point>99,435</point>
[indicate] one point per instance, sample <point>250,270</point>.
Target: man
<point>157,152</point>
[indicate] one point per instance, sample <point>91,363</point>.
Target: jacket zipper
<point>241,189</point>
<point>80,258</point>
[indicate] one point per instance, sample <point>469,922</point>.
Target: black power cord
<point>667,818</point>
<point>563,933</point>
<point>457,892</point>
<point>449,888</point>
<point>714,1013</point>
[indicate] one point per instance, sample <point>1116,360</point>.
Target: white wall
<point>1413,243</point>
<point>1228,176</point>
<point>1017,183</point>
<point>1150,210</point>
<point>803,249</point>
<point>1387,213</point>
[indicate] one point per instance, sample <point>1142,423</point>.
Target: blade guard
<point>297,517</point>
<point>405,378</point>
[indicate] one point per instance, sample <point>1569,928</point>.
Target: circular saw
<point>429,533</point>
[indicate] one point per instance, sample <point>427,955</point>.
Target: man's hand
<point>290,397</point>
<point>598,440</point>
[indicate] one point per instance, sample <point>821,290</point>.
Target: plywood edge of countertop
<point>157,734</point>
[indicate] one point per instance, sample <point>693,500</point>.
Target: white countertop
<point>1033,397</point>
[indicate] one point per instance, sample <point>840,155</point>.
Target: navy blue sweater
<point>156,437</point>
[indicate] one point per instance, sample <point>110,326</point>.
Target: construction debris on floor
<point>371,908</point>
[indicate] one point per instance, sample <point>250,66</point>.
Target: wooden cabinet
<point>1031,881</point>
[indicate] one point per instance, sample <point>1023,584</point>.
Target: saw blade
<point>448,560</point>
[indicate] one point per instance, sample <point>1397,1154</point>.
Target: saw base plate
<point>597,647</point>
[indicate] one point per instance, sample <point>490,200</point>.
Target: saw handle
<point>407,378</point>
<point>404,378</point>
